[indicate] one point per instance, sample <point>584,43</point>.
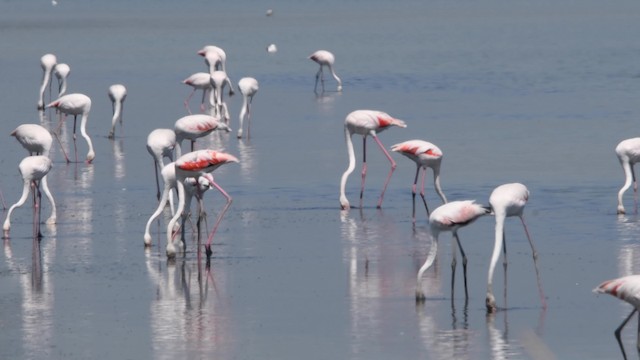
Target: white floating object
<point>269,12</point>
<point>272,48</point>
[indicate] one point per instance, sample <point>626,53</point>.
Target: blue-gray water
<point>538,93</point>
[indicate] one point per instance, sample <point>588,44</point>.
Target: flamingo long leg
<point>220,215</point>
<point>535,263</point>
<point>393,167</point>
<point>364,168</point>
<point>464,264</point>
<point>413,193</point>
<point>75,145</point>
<point>424,199</point>
<point>186,101</point>
<point>619,329</point>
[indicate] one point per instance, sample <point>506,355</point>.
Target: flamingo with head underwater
<point>77,104</point>
<point>325,58</point>
<point>160,145</point>
<point>47,62</point>
<point>628,152</point>
<point>248,87</point>
<point>117,95</point>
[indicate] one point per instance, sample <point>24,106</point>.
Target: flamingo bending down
<point>47,62</point>
<point>508,200</point>
<point>196,164</point>
<point>450,217</point>
<point>160,144</point>
<point>117,94</point>
<point>214,57</point>
<point>366,122</point>
<point>248,88</point>
<point>628,152</point>
<point>626,288</point>
<point>425,155</point>
<point>198,81</point>
<point>77,104</point>
<point>218,81</point>
<point>325,58</point>
<point>61,71</point>
<point>192,127</point>
<point>34,170</point>
<point>36,139</point>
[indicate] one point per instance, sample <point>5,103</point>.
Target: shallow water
<point>536,93</point>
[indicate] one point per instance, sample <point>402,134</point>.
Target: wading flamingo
<point>77,104</point>
<point>218,81</point>
<point>505,201</point>
<point>192,127</point>
<point>450,217</point>
<point>47,62</point>
<point>198,81</point>
<point>214,57</point>
<point>248,87</point>
<point>160,145</point>
<point>117,95</point>
<point>365,123</point>
<point>425,155</point>
<point>626,288</point>
<point>324,58</point>
<point>628,152</point>
<point>36,139</point>
<point>61,71</point>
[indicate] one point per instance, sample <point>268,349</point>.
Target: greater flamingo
<point>61,71</point>
<point>248,87</point>
<point>219,79</point>
<point>36,139</point>
<point>47,62</point>
<point>214,57</point>
<point>198,81</point>
<point>425,155</point>
<point>196,164</point>
<point>450,217</point>
<point>191,127</point>
<point>365,123</point>
<point>325,58</point>
<point>626,288</point>
<point>628,152</point>
<point>77,104</point>
<point>160,144</point>
<point>34,170</point>
<point>117,95</point>
<point>508,200</point>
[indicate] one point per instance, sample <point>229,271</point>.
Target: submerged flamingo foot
<point>207,251</point>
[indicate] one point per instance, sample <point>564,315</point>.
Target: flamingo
<point>325,58</point>
<point>198,81</point>
<point>77,104</point>
<point>214,57</point>
<point>425,155</point>
<point>508,200</point>
<point>34,170</point>
<point>47,62</point>
<point>218,81</point>
<point>366,122</point>
<point>36,139</point>
<point>195,126</point>
<point>248,87</point>
<point>626,288</point>
<point>628,152</point>
<point>450,217</point>
<point>196,164</point>
<point>117,94</point>
<point>61,71</point>
<point>160,144</point>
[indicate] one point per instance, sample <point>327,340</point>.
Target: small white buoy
<point>269,12</point>
<point>272,48</point>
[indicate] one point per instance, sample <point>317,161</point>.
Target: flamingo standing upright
<point>34,170</point>
<point>198,81</point>
<point>325,58</point>
<point>61,71</point>
<point>36,139</point>
<point>77,104</point>
<point>214,57</point>
<point>425,155</point>
<point>47,62</point>
<point>628,152</point>
<point>508,200</point>
<point>117,95</point>
<point>196,164</point>
<point>195,126</point>
<point>248,87</point>
<point>160,145</point>
<point>219,80</point>
<point>626,288</point>
<point>450,217</point>
<point>365,123</point>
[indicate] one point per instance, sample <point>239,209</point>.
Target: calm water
<point>536,93</point>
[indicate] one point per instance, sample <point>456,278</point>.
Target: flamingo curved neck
<point>344,202</point>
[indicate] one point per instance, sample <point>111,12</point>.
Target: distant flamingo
<point>214,57</point>
<point>219,79</point>
<point>191,127</point>
<point>47,62</point>
<point>366,122</point>
<point>61,71</point>
<point>248,87</point>
<point>36,139</point>
<point>450,217</point>
<point>628,152</point>
<point>324,58</point>
<point>198,81</point>
<point>508,200</point>
<point>160,144</point>
<point>425,155</point>
<point>626,288</point>
<point>34,170</point>
<point>77,104</point>
<point>196,164</point>
<point>117,94</point>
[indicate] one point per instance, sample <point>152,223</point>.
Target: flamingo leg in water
<point>619,329</point>
<point>364,168</point>
<point>393,167</point>
<point>535,264</point>
<point>215,226</point>
<point>464,265</point>
<point>75,145</point>
<point>424,200</point>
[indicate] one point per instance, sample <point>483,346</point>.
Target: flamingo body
<point>47,62</point>
<point>198,81</point>
<point>117,95</point>
<point>214,57</point>
<point>160,145</point>
<point>628,152</point>
<point>325,58</point>
<point>218,81</point>
<point>36,139</point>
<point>192,127</point>
<point>77,104</point>
<point>248,87</point>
